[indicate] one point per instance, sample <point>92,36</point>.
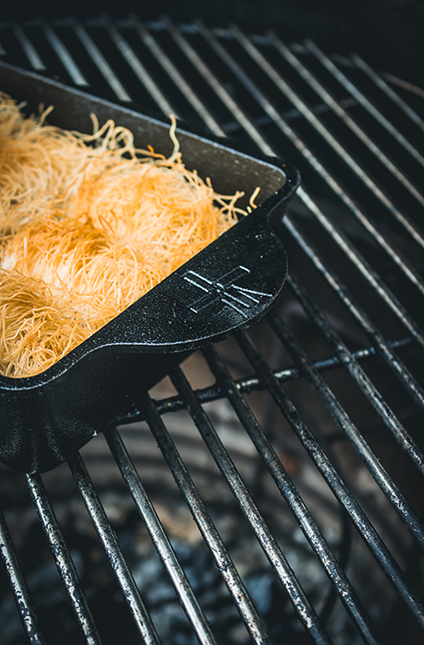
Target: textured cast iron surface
<point>225,288</point>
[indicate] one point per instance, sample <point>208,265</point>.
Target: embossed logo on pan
<point>225,290</point>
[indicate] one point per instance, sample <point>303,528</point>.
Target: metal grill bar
<point>358,374</point>
<point>64,562</point>
<point>101,63</point>
<point>400,260</point>
<point>63,53</point>
<point>159,538</point>
<point>220,90</point>
<point>352,253</point>
<point>29,49</point>
<point>297,102</point>
<point>202,518</point>
<point>293,499</point>
<point>392,493</point>
<point>250,384</point>
<point>366,270</point>
<point>113,551</point>
<point>364,102</point>
<point>328,471</point>
<point>138,69</point>
<point>271,549</point>
<point>387,90</point>
<point>19,586</point>
<point>176,77</point>
<point>300,105</point>
<point>304,73</point>
<point>344,116</point>
<point>381,345</point>
<point>328,99</point>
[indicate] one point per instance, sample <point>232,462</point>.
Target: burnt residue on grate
<point>270,491</point>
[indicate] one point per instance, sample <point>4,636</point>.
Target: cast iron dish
<point>223,289</point>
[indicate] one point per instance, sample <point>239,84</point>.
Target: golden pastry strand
<point>88,224</point>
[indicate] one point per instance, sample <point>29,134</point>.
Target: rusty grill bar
<point>356,253</point>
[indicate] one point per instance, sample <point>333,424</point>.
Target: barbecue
<point>269,488</point>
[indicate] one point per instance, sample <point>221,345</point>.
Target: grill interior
<point>270,490</point>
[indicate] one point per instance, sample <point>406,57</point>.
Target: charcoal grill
<point>300,439</point>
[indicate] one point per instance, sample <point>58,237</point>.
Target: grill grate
<point>333,376</point>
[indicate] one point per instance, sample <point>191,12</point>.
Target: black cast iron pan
<point>223,289</point>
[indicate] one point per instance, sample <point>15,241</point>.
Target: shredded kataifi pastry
<point>88,224</point>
